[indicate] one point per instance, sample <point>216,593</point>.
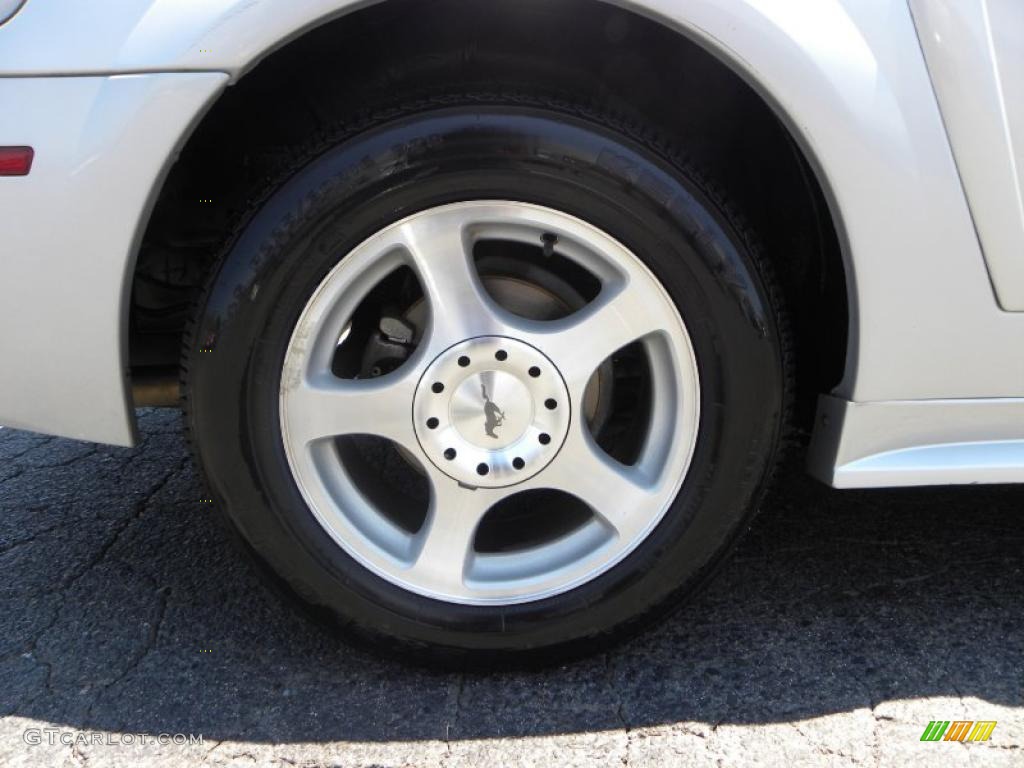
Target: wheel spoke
<point>581,342</point>
<point>323,407</point>
<point>445,543</point>
<point>442,258</point>
<point>618,494</point>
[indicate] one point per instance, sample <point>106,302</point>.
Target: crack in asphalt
<point>620,708</point>
<point>838,606</point>
<point>119,529</point>
<point>39,443</point>
<point>31,651</point>
<point>152,635</point>
<point>453,723</point>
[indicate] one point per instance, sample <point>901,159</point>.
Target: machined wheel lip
<point>628,502</point>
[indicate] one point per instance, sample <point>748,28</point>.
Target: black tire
<point>479,147</point>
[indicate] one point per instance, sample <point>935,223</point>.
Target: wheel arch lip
<point>824,102</point>
<point>11,12</point>
<point>818,96</point>
<point>768,49</point>
<point>103,146</point>
<point>233,36</point>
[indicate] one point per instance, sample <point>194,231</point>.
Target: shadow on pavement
<point>124,606</point>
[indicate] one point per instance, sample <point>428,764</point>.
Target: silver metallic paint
<point>8,8</point>
<point>70,232</point>
<point>847,76</point>
<point>975,53</point>
<point>918,442</point>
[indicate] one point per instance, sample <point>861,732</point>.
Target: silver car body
<point>911,114</point>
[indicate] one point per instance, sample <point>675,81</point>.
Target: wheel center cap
<point>491,411</point>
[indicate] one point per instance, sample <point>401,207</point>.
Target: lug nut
<point>463,361</point>
<point>437,387</point>
<point>550,404</point>
<point>544,438</point>
<point>449,453</point>
<point>535,371</point>
<point>518,463</point>
<point>482,469</point>
<point>501,354</point>
<point>432,423</point>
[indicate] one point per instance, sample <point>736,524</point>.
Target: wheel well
<point>614,58</point>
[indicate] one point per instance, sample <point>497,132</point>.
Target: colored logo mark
<point>958,730</point>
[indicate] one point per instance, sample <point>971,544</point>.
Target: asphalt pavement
<point>844,624</point>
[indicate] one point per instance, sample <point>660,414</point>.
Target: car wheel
<point>488,376</point>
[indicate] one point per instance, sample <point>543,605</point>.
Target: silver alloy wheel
<point>440,559</point>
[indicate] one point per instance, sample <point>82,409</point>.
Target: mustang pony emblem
<point>493,415</point>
